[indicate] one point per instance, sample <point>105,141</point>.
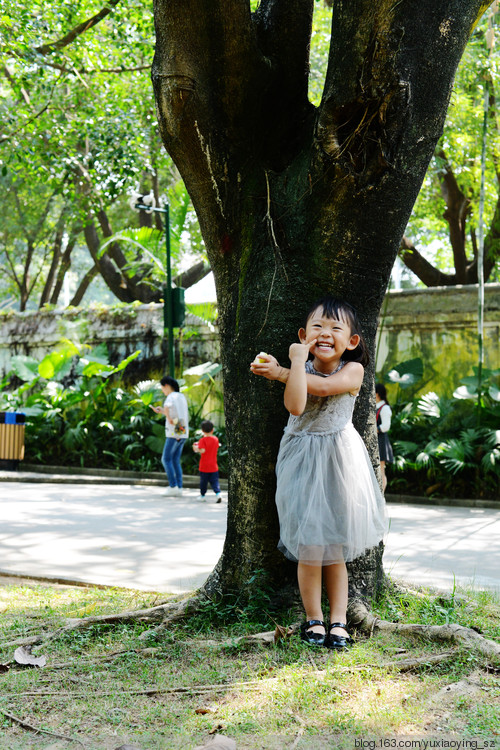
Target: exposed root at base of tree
<point>38,730</point>
<point>360,617</point>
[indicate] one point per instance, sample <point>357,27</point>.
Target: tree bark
<point>296,201</point>
<point>192,275</point>
<point>107,268</point>
<point>65,263</point>
<point>83,286</point>
<point>56,257</point>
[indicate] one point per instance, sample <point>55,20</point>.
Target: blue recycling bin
<point>11,439</point>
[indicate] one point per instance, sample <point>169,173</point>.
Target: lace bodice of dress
<point>323,414</point>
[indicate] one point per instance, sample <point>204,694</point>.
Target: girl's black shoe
<point>309,636</point>
<point>338,642</point>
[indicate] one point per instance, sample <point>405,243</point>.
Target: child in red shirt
<point>207,447</point>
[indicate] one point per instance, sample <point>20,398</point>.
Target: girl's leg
<point>384,478</point>
<point>176,461</point>
<point>167,461</point>
<point>309,578</point>
<point>336,582</point>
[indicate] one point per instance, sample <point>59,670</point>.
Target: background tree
<point>296,200</point>
<point>446,213</point>
<point>78,132</point>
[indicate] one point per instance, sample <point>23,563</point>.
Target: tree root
<point>39,730</point>
<point>31,641</point>
<point>360,617</point>
<point>408,665</point>
<point>165,613</point>
<point>190,689</point>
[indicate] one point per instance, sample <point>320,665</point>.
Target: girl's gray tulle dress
<point>329,502</point>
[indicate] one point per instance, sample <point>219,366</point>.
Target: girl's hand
<point>156,409</point>
<point>267,366</point>
<point>300,352</point>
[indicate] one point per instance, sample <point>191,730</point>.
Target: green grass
<point>95,684</point>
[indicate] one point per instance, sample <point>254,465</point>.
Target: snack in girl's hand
<point>260,357</point>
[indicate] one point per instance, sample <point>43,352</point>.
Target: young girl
<point>329,503</point>
<point>383,416</point>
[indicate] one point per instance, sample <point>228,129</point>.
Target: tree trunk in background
<point>296,201</point>
<point>456,214</point>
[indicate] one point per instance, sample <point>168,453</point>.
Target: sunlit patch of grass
<point>466,607</point>
<point>96,681</point>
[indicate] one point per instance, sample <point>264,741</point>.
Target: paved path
<point>122,535</point>
<point>134,536</point>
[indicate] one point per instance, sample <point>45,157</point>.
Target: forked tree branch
<point>46,49</point>
<point>426,272</point>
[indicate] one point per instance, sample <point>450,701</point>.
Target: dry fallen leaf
<point>23,655</point>
<point>282,632</point>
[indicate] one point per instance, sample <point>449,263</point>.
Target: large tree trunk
<point>295,201</point>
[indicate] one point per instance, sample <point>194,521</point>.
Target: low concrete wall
<point>440,326</point>
<point>124,329</point>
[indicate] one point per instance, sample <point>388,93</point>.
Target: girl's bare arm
<point>349,379</point>
<point>295,397</point>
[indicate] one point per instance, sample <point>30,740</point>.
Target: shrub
<point>449,446</point>
<point>78,413</point>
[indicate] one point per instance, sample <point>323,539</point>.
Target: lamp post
<point>146,203</point>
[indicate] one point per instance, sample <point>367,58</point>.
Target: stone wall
<point>124,329</point>
<point>440,326</point>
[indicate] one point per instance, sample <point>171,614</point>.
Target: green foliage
<point>449,446</point>
<point>79,414</point>
<point>461,145</point>
<point>398,606</point>
<point>251,604</point>
<point>201,388</point>
<point>207,311</point>
<point>479,611</point>
<point>80,133</point>
<point>406,374</point>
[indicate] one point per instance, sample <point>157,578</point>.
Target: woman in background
<point>384,413</point>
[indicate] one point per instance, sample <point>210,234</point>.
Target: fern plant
<point>439,447</point>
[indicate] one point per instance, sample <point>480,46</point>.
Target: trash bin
<point>11,439</point>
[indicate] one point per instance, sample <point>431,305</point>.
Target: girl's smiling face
<point>332,336</point>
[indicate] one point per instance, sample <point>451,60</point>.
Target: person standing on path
<point>383,415</point>
<point>175,410</point>
<point>207,447</point>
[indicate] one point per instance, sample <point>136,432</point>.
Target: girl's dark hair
<point>381,390</point>
<point>337,309</point>
<point>172,382</point>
